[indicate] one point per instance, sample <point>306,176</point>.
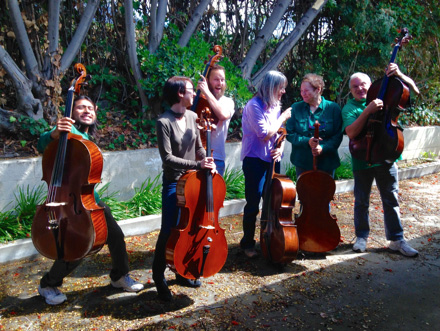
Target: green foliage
<point>16,223</point>
<point>431,156</point>
<point>291,171</point>
<point>422,115</point>
<point>234,179</point>
<point>172,60</point>
<point>147,200</point>
<point>34,127</point>
<point>344,171</point>
<point>112,84</point>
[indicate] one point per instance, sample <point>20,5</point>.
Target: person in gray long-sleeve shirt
<point>180,149</point>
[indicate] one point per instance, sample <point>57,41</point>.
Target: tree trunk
<point>52,36</point>
<point>80,34</point>
<point>131,50</point>
<point>193,22</point>
<point>289,42</point>
<point>27,104</point>
<point>158,13</point>
<point>263,36</point>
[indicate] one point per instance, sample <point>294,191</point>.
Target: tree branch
<point>289,42</point>
<point>79,36</point>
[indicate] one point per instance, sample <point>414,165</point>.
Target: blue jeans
<point>387,182</point>
<point>255,171</point>
<point>170,219</point>
<point>220,166</point>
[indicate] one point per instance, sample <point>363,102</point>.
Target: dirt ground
<point>338,290</point>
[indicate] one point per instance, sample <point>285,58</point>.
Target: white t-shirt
<point>219,135</point>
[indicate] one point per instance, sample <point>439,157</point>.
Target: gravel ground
<point>338,290</point>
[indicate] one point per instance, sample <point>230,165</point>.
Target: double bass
<point>318,231</point>
<point>278,233</point>
<point>200,103</point>
<point>382,139</point>
<point>70,224</point>
<point>197,247</point>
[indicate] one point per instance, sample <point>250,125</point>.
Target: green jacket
<point>46,139</point>
<point>300,129</point>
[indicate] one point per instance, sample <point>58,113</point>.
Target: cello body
<point>80,223</point>
<point>197,247</point>
<point>278,237</point>
<point>318,231</point>
<point>70,224</point>
<point>278,233</point>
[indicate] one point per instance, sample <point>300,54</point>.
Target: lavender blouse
<point>256,121</point>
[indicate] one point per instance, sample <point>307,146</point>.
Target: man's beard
<point>218,95</point>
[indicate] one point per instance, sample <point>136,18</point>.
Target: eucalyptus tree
<point>44,64</point>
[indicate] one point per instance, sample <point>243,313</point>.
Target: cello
<point>197,247</point>
<point>200,103</point>
<point>70,224</point>
<point>278,234</point>
<point>382,139</point>
<point>318,231</point>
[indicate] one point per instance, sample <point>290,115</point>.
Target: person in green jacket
<point>83,122</point>
<point>300,128</point>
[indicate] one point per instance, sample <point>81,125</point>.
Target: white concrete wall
<point>126,170</point>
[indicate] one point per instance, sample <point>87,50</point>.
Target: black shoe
<point>163,292</point>
<point>188,282</point>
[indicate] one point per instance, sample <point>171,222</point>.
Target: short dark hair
<point>172,88</point>
<point>92,128</point>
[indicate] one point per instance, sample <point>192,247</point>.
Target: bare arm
<point>222,114</point>
<point>354,129</point>
<point>393,70</point>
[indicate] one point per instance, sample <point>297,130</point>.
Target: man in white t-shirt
<point>213,88</point>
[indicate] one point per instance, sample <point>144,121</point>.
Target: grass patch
<point>16,223</point>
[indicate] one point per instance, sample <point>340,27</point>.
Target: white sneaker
<point>360,245</point>
<point>52,295</point>
<point>128,284</point>
<point>403,247</point>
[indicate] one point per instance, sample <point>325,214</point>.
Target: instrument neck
<point>384,86</point>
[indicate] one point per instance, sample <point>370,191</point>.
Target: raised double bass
<point>318,231</point>
<point>200,103</point>
<point>197,247</point>
<point>70,224</point>
<point>278,234</point>
<point>382,139</point>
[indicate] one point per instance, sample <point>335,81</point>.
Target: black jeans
<point>118,253</point>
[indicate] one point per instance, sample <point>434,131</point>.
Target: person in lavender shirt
<point>261,120</point>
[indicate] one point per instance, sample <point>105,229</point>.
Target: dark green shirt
<point>46,139</point>
<point>300,129</point>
